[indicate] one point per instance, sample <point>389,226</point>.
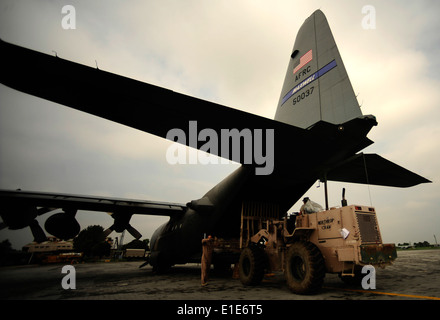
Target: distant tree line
<point>424,244</point>
<point>92,242</point>
<point>10,256</point>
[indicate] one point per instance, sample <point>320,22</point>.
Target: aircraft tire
<point>161,265</point>
<point>251,265</point>
<point>304,268</point>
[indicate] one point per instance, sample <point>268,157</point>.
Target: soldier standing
<point>207,246</point>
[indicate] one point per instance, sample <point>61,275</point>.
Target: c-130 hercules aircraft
<point>317,107</point>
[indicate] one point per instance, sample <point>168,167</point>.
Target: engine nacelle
<point>62,225</point>
<point>18,216</point>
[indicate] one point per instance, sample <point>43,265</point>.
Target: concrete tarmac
<point>415,275</point>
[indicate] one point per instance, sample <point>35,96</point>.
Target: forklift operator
<point>309,207</point>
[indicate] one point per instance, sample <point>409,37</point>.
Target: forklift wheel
<point>305,268</point>
<point>251,265</point>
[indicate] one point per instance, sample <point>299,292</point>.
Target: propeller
<point>121,224</point>
<point>21,216</point>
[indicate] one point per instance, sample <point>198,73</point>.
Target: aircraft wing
<point>375,170</point>
<point>19,209</point>
<point>130,102</point>
<point>77,202</point>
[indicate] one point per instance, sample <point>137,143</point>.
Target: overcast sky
<point>233,53</point>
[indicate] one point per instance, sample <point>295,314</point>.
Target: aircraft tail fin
<point>316,87</point>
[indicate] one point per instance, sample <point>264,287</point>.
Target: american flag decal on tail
<point>306,58</point>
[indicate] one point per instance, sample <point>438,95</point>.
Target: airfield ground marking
<point>386,293</point>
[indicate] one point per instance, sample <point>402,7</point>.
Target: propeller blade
<point>37,231</point>
<point>108,231</point>
<point>136,234</point>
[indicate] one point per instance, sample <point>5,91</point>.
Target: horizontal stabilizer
<point>375,170</point>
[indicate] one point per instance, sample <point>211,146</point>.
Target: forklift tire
<point>251,265</point>
<point>305,268</point>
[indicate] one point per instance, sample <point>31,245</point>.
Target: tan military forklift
<point>307,246</point>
